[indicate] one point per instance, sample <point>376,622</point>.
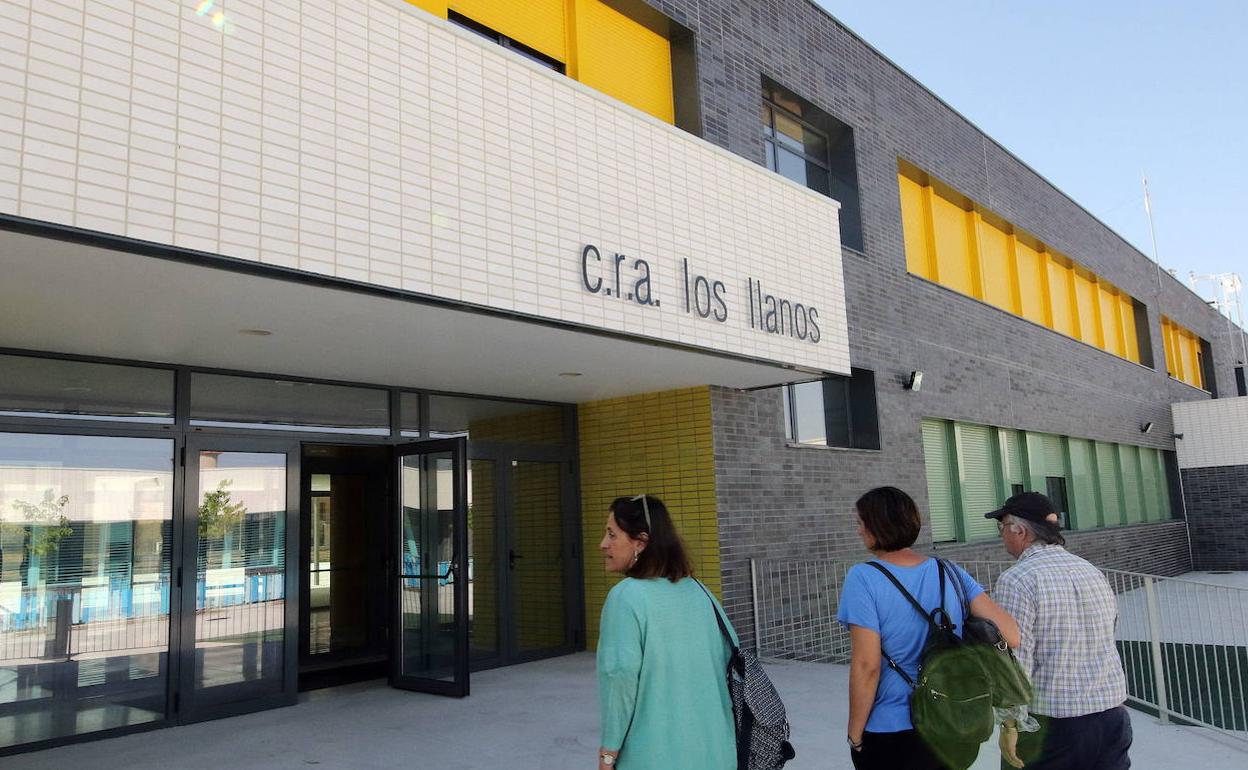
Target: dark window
<point>483,419</point>
<point>814,149</point>
<point>54,388</point>
<point>1143,336</point>
<point>531,54</point>
<point>228,401</point>
<point>837,411</point>
<point>1204,360</point>
<point>1056,488</point>
<point>1016,489</point>
<point>1241,382</point>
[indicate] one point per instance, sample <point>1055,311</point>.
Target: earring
<point>636,555</point>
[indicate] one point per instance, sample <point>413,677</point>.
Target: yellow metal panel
<point>1111,321</point>
<point>1167,341</point>
<point>1031,283</point>
<point>436,7</point>
<point>621,58</point>
<point>1087,306</point>
<point>973,255</point>
<point>953,263</point>
<point>995,260</point>
<point>536,23</point>
<point>914,227</point>
<point>1189,345</point>
<point>1126,312</point>
<point>1060,276</point>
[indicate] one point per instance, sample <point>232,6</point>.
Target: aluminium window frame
<point>510,43</point>
<point>182,434</point>
<point>772,146</point>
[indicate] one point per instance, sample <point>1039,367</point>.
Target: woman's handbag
<point>1010,685</point>
<point>761,723</point>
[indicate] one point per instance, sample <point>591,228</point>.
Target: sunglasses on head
<point>645,507</point>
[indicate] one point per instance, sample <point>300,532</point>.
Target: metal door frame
<point>503,455</point>
<point>458,448</point>
<point>245,697</point>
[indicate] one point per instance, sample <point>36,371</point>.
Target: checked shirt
<point>1066,613</point>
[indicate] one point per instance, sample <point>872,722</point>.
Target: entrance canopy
<point>94,299</point>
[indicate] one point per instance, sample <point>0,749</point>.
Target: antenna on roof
<point>1148,208</point>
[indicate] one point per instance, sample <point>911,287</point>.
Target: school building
<point>329,329</point>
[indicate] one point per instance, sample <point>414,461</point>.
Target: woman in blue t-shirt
<point>880,618</point>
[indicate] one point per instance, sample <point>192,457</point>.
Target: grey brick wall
<point>1217,512</point>
<point>783,502</point>
<point>981,364</point>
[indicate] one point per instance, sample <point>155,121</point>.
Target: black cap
<point>1032,506</point>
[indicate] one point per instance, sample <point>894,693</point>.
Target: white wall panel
<point>1215,432</point>
<point>367,140</point>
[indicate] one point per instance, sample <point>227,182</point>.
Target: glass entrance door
<point>537,581</point>
<point>432,568</point>
<point>522,557</point>
<point>240,532</point>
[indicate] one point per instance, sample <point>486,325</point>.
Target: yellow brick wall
<point>658,443</point>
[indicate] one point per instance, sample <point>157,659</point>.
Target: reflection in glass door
<point>432,638</point>
<point>85,551</point>
<point>238,532</point>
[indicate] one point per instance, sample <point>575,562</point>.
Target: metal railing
<point>1183,643</point>
<point>51,623</point>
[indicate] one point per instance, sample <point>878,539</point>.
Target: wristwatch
<point>607,759</point>
<point>853,746</point>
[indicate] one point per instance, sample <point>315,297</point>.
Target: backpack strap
<point>746,731</point>
<point>723,629</point>
<point>928,616</point>
<point>910,597</point>
<point>957,587</point>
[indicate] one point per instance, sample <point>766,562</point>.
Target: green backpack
<point>952,698</point>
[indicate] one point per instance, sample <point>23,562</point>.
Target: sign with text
<point>634,281</point>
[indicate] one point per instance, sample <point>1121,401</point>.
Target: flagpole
<point>1148,208</point>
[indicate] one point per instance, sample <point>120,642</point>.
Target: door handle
<point>511,558</point>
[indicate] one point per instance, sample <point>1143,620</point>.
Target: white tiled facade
<point>1215,432</point>
<point>367,140</point>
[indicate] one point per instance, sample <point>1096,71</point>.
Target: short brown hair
<point>664,555</point>
<point>890,517</point>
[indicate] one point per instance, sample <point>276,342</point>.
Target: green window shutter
<point>978,480</point>
<point>1054,458</point>
<point>1163,486</point>
<point>1012,457</point>
<point>939,481</point>
<point>1109,479</point>
<point>1132,486</point>
<point>1082,486</point>
<point>1036,463</point>
<point>1148,484</point>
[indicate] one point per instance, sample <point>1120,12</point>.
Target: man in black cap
<point>1066,612</point>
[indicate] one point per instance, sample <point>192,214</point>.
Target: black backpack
<point>762,726</point>
<point>952,698</point>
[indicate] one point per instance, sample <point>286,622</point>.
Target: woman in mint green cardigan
<point>661,655</point>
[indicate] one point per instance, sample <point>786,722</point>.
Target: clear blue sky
<point>1091,94</point>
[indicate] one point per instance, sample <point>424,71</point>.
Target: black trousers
<point>1091,742</point>
<point>905,750</point>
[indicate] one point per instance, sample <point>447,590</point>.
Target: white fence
<point>1183,643</point>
